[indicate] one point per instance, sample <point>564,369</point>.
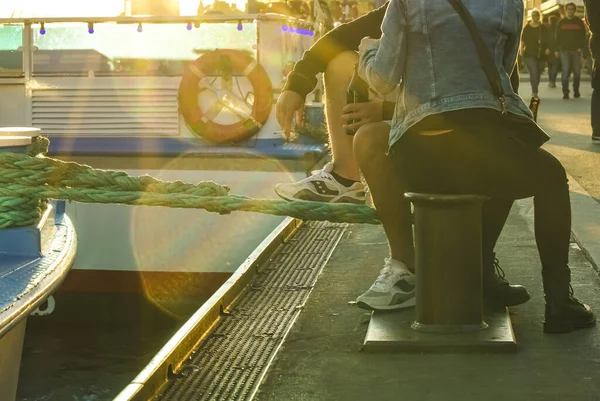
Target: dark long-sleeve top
<point>570,34</point>
<point>346,37</point>
<point>536,40</point>
<point>343,38</point>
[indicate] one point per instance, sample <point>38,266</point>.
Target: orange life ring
<point>212,64</point>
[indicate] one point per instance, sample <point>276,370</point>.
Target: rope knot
<point>39,145</point>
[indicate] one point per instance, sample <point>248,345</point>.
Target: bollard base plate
<point>392,331</point>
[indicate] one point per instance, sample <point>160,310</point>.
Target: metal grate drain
<point>231,361</point>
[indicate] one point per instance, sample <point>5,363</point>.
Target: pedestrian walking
<point>552,62</point>
<point>534,49</point>
<point>570,41</point>
<point>592,17</point>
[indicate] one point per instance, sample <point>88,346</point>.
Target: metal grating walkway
<point>230,363</point>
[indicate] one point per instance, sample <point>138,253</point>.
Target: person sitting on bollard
<point>452,135</point>
<point>335,54</point>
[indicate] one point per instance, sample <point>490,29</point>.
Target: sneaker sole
<point>406,304</point>
<point>337,199</point>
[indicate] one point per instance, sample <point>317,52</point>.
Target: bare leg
<point>370,147</point>
<point>337,77</point>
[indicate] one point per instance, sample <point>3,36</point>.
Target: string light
<point>42,29</point>
<point>303,31</point>
<point>140,28</point>
<point>240,26</point>
<point>189,26</point>
<point>90,27</point>
<point>300,29</point>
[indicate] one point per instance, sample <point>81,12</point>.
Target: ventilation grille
<point>109,112</point>
<point>228,365</point>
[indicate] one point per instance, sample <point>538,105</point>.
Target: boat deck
<point>30,272</point>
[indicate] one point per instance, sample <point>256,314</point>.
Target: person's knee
<point>556,175</point>
<point>339,70</point>
<point>370,141</point>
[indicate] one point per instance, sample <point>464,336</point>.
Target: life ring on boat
<point>226,63</point>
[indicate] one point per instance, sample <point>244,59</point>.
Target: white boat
<point>105,91</point>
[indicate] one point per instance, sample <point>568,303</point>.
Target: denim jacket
<point>427,50</point>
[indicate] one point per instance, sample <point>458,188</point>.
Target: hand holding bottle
<point>358,114</point>
<point>357,93</point>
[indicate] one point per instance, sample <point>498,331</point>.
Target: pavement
<point>321,358</point>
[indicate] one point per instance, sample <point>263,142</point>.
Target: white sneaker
<point>322,187</point>
<point>393,289</point>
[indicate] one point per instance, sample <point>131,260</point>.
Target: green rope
<point>27,181</point>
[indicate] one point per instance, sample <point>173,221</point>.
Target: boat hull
<point>11,347</point>
<point>173,259</point>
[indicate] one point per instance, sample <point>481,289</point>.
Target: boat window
<point>131,50</point>
<point>11,59</point>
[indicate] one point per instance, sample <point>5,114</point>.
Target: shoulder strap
<point>487,61</point>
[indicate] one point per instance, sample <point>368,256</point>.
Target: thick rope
<point>27,181</point>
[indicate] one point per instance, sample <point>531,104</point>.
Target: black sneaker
<point>576,95</point>
<point>596,138</point>
<point>499,293</point>
<point>563,316</point>
<point>566,96</point>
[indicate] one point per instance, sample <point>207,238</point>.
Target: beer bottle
<point>357,92</point>
<point>533,106</point>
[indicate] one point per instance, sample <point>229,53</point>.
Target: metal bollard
<point>448,262</point>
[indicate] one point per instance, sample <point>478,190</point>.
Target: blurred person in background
<point>592,16</point>
<point>535,49</point>
<point>552,61</point>
<point>570,42</point>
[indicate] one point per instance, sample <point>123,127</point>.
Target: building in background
<point>154,7</point>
